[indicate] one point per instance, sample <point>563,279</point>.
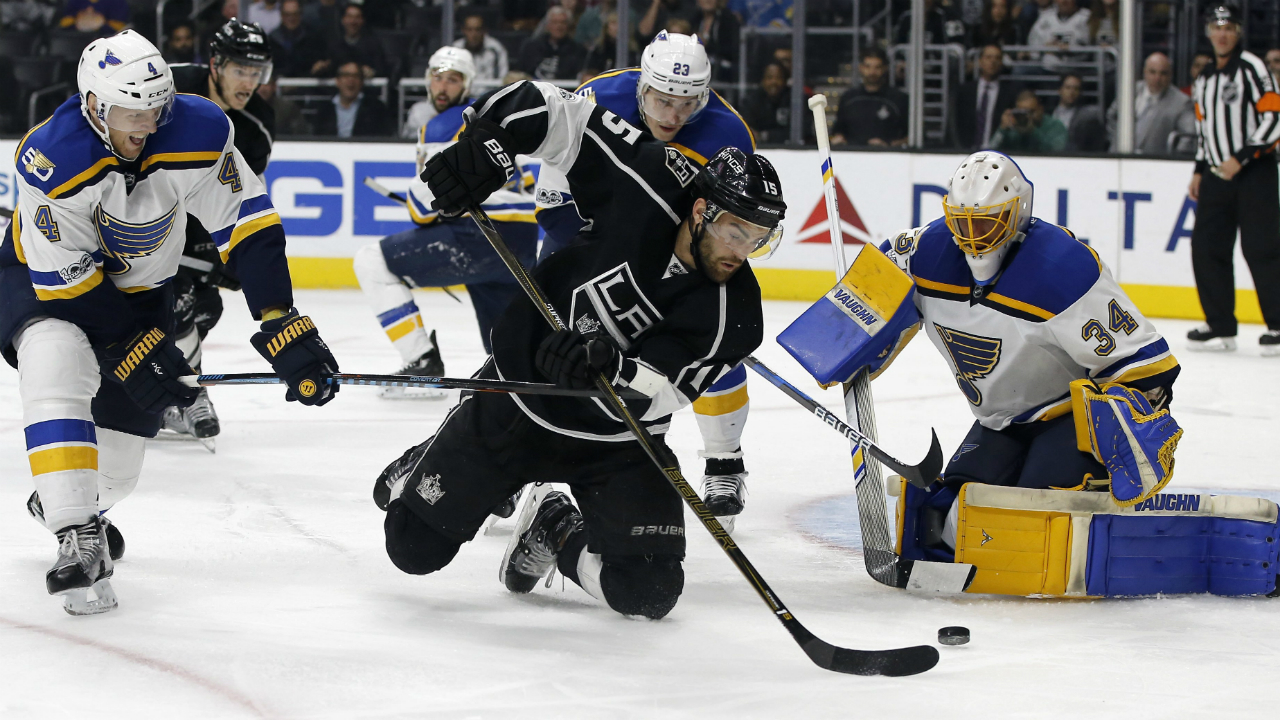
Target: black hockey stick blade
<point>923,474</point>
<point>899,662</point>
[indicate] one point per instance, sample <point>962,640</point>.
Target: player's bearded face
<point>666,114</point>
<point>726,244</point>
<point>447,87</point>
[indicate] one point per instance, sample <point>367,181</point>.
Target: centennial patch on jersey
<point>680,166</point>
<point>121,241</point>
<point>34,162</point>
<point>549,197</point>
<point>615,300</point>
<point>973,356</point>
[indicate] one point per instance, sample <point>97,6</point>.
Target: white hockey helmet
<point>131,81</point>
<point>987,208</point>
<point>456,59</point>
<point>675,65</point>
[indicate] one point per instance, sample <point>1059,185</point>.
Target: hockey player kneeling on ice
<point>664,305</point>
<point>86,304</point>
<point>1070,385</point>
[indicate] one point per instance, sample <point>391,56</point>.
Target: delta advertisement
<point>1134,213</point>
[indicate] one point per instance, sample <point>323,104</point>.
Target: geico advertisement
<point>1135,213</point>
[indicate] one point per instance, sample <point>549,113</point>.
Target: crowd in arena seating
<point>1026,76</point>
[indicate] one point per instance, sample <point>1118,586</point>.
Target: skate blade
<point>727,522</point>
<point>1214,345</point>
<point>494,527</point>
<point>530,499</point>
<point>77,602</point>
<point>209,444</point>
<point>1270,350</point>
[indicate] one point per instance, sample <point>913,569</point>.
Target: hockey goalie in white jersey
<point>86,310</point>
<point>1070,386</point>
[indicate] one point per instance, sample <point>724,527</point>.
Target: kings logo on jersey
<point>121,241</point>
<point>973,356</point>
<point>615,301</point>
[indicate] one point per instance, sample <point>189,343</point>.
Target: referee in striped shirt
<point>1235,185</point>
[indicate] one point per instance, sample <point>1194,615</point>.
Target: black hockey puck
<point>953,635</point>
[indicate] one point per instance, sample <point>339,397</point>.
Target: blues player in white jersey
<point>670,95</point>
<point>444,251</point>
<point>86,305</point>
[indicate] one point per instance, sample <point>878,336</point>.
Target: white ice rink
<point>255,584</point>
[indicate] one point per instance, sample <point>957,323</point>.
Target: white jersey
<point>87,219</point>
<point>1049,29</point>
<point>1054,315</point>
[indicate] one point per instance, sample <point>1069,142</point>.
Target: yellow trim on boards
<point>331,274</point>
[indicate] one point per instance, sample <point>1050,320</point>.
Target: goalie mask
<point>987,208</point>
<point>131,83</point>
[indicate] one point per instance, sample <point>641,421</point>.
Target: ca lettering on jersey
<point>614,300</point>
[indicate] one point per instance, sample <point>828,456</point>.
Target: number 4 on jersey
<point>229,174</point>
<point>1119,319</point>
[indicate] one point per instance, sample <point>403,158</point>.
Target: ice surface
<point>255,583</point>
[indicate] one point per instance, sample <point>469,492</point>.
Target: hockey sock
<point>392,301</point>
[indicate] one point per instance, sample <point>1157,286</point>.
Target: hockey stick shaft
<point>382,190</point>
<point>904,661</point>
<point>922,475</point>
<point>818,104</point>
<point>413,381</point>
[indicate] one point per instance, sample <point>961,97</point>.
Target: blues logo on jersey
<point>974,357</point>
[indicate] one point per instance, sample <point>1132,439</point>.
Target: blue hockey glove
<point>1120,428</point>
<point>148,365</point>
<point>293,346</point>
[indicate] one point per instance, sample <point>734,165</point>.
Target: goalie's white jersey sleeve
<point>1054,315</point>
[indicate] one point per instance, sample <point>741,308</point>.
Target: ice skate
<point>1270,343</point>
<point>502,512</point>
<point>198,422</point>
<point>541,532</point>
<point>391,482</point>
<point>115,540</point>
<point>1204,339</point>
<point>82,571</point>
<point>428,364</point>
<point>725,496</point>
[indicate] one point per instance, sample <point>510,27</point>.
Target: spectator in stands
<point>26,16</point>
<point>357,45</point>
<point>767,109</point>
<point>762,13</point>
<point>659,16</point>
<point>1025,128</point>
<point>99,17</point>
<point>353,112</point>
<point>980,103</point>
<point>1062,29</point>
<point>679,25</point>
<point>718,30</point>
<point>289,120</point>
<point>1159,110</point>
<point>555,55</point>
<point>1104,23</point>
<point>1273,63</point>
<point>1198,64</point>
<point>515,76</point>
<point>591,23</point>
<point>1028,12</point>
<point>1086,131</point>
<point>264,12</point>
<point>997,26</point>
<point>321,18</point>
<point>603,54</point>
<point>180,46</point>
<point>490,56</point>
<point>940,26</point>
<point>295,50</point>
<point>573,7</point>
<point>873,114</point>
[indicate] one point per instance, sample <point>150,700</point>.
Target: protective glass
<point>980,229</point>
<point>666,109</point>
<point>134,120</point>
<point>744,238</point>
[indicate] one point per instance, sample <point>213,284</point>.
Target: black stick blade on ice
<point>899,662</point>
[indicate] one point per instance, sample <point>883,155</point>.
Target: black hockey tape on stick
<point>414,381</point>
<point>896,662</point>
<point>6,213</point>
<point>921,475</point>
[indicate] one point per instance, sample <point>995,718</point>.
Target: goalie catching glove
<point>1118,426</point>
<point>293,346</point>
<point>148,366</point>
<point>467,172</point>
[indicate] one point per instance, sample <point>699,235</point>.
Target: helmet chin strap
<point>696,233</point>
<point>104,134</point>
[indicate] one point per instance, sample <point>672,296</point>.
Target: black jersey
<point>678,330</point>
<point>255,125</point>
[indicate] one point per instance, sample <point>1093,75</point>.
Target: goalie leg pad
<point>863,322</point>
<point>1075,544</point>
<point>921,519</point>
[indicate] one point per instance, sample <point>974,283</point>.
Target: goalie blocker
<point>1063,543</point>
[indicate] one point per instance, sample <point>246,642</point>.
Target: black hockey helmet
<point>243,44</point>
<point>1222,14</point>
<point>746,186</point>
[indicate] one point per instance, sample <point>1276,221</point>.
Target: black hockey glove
<point>571,360</point>
<point>148,365</point>
<point>467,172</point>
<point>293,346</point>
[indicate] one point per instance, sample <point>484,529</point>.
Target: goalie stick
<point>883,564</point>
<point>896,662</point>
<point>414,381</point>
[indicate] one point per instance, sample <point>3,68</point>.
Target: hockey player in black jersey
<point>240,61</point>
<point>664,309</point>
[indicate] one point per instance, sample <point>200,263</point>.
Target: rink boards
<point>1134,213</point>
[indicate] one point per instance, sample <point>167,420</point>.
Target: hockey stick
<point>897,662</point>
<point>922,475</point>
<point>382,190</point>
<point>413,381</point>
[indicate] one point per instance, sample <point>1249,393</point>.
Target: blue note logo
<point>110,59</point>
<point>122,241</point>
<point>973,356</point>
